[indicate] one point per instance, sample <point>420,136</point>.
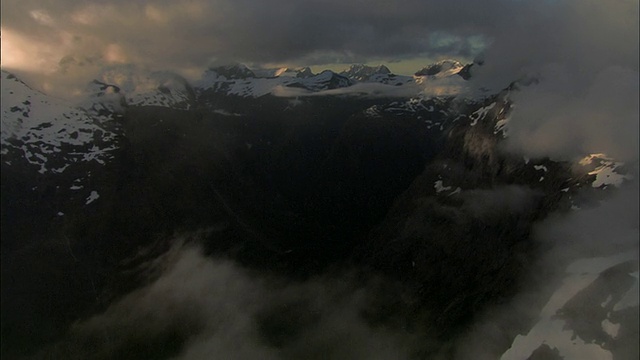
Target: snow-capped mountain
<point>293,184</point>
<point>240,81</point>
<point>302,72</point>
<point>360,72</point>
<point>142,88</point>
<point>50,133</point>
<point>591,315</point>
<point>378,74</point>
<point>440,69</point>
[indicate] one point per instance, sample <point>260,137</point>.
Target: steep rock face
<point>461,231</point>
<point>49,133</point>
<point>53,157</point>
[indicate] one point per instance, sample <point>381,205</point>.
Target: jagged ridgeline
<point>283,171</point>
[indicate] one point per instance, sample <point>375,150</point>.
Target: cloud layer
<point>211,308</point>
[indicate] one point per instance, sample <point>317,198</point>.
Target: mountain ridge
<point>290,185</point>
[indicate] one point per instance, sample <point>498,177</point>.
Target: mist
<point>198,307</point>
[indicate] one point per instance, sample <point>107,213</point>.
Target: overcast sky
<point>182,34</point>
<point>185,33</point>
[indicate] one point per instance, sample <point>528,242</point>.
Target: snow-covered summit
<point>142,88</point>
<point>589,316</point>
<point>213,81</point>
<point>442,68</point>
<point>37,127</point>
<point>360,72</point>
<point>303,72</point>
<point>606,170</point>
<point>326,80</point>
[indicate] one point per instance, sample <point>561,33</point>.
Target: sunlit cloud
<point>114,53</point>
<point>23,52</point>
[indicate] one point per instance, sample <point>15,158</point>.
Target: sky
<point>190,33</point>
<point>66,41</point>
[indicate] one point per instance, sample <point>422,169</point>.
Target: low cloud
<point>201,307</point>
<point>551,119</point>
<point>583,58</point>
<point>359,89</point>
<point>590,240</point>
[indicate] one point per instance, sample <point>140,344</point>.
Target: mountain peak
<point>361,72</point>
<point>441,68</point>
<point>303,72</point>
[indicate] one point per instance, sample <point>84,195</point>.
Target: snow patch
<point>605,170</point>
<point>481,113</point>
<point>92,197</point>
<point>39,127</point>
<point>610,328</point>
<point>438,185</point>
<point>553,331</point>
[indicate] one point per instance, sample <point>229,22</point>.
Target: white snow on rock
<point>553,331</point>
<point>631,298</point>
<point>610,328</point>
<point>501,125</point>
<point>92,197</point>
<point>39,126</point>
<point>373,111</point>
<point>143,88</point>
<point>441,69</point>
<point>481,113</point>
<point>605,170</point>
<point>238,80</point>
<point>438,185</point>
<point>226,113</point>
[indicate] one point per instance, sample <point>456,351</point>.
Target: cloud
<point>583,243</point>
<point>552,119</point>
<point>183,33</point>
<point>359,89</point>
<point>199,307</point>
<point>584,56</point>
<point>518,37</point>
<point>446,86</point>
